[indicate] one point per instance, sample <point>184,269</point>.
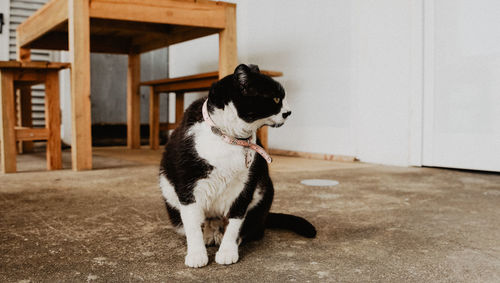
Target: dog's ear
<point>241,77</point>
<point>254,68</point>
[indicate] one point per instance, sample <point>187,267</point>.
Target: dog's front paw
<point>227,256</point>
<point>196,259</point>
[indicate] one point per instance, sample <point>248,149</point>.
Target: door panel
<point>462,84</point>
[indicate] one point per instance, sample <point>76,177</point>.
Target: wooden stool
<point>182,85</point>
<point>16,75</point>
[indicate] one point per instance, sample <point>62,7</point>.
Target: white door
<point>4,34</point>
<point>462,84</point>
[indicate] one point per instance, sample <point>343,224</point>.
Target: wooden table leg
<point>262,136</point>
<point>25,107</point>
<point>53,120</point>
<point>133,101</point>
<point>154,119</point>
<point>228,52</point>
<point>179,107</point>
<point>79,50</point>
<point>7,123</point>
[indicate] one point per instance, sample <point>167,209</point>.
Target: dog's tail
<point>291,222</point>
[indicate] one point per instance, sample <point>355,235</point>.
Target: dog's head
<point>258,99</point>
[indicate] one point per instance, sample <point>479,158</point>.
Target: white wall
<point>350,71</point>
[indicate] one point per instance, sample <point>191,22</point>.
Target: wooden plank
<point>53,121</point>
<point>10,64</point>
<point>26,118</point>
<point>7,123</point>
<point>31,134</point>
<point>262,135</point>
<point>58,40</point>
<point>28,76</point>
<point>154,119</point>
<point>209,75</point>
<point>25,111</point>
<point>188,86</point>
<point>168,126</point>
<point>45,19</point>
<point>79,51</point>
<point>179,107</point>
<point>25,65</point>
<point>177,34</point>
<point>320,156</point>
<point>165,12</point>
<point>133,101</point>
<point>228,53</point>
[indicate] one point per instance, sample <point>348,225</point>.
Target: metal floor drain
<point>319,182</point>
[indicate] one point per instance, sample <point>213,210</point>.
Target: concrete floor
<point>380,223</point>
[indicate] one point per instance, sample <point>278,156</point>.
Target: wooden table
<point>121,27</point>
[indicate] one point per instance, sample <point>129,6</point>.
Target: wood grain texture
<point>25,113</point>
<point>25,107</point>
<point>228,52</point>
<point>179,107</point>
<point>154,119</point>
<point>53,121</point>
<point>31,134</point>
<point>157,11</point>
<point>42,21</point>
<point>7,123</point>
<point>79,50</point>
<point>133,101</point>
<point>262,135</point>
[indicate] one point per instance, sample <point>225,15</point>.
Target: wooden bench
<point>16,75</point>
<point>180,86</point>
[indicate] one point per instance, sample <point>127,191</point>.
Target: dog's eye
<point>277,100</point>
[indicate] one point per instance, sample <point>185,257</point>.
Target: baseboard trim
<point>308,155</point>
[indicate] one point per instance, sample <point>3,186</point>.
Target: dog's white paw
<point>196,259</point>
<point>227,256</point>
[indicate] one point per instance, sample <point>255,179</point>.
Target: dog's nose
<point>286,114</point>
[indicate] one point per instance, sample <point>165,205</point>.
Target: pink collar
<point>232,140</point>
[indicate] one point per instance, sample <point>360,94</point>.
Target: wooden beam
<point>177,34</point>
<point>79,50</point>
<point>187,86</point>
<point>228,53</point>
<point>25,111</point>
<point>154,119</point>
<point>53,121</point>
<point>262,136</point>
<point>179,107</point>
<point>31,134</point>
<point>164,12</point>
<point>168,126</point>
<point>48,17</point>
<point>30,76</point>
<point>7,123</point>
<point>209,76</point>
<point>58,40</point>
<point>133,101</point>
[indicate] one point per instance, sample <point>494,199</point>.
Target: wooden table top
<point>125,26</point>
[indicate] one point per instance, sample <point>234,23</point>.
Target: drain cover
<point>319,182</point>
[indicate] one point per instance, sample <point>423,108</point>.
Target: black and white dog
<point>214,176</point>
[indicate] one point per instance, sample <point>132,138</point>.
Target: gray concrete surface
<point>381,224</point>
